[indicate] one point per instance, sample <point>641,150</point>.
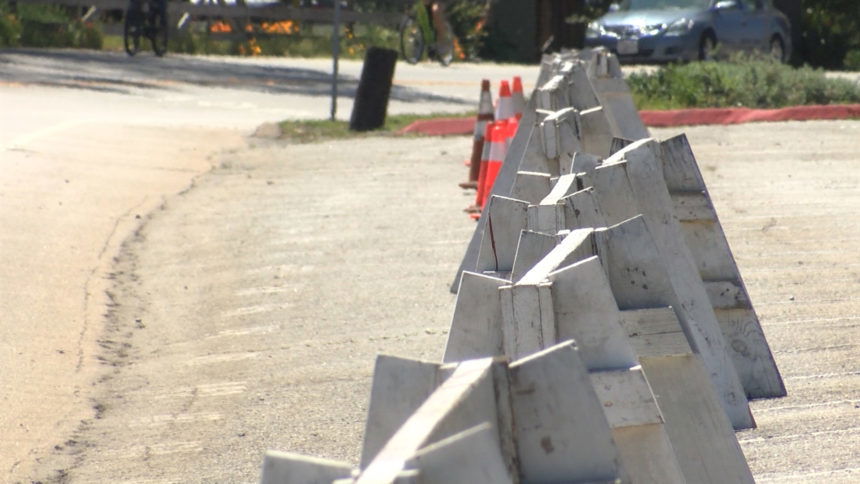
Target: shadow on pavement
<point>119,73</point>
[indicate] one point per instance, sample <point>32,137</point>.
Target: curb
<point>676,117</point>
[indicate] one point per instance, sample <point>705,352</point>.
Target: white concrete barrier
<point>630,183</point>
<point>600,269</point>
<point>283,467</point>
<point>704,236</point>
<point>567,295</point>
<point>548,422</point>
<point>526,151</point>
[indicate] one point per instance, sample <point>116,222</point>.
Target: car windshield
<point>661,4</point>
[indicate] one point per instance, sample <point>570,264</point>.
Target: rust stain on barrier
<point>546,444</point>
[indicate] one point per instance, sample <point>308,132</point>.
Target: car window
<point>661,4</point>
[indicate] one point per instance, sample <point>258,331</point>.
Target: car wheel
<point>777,49</point>
<point>707,46</point>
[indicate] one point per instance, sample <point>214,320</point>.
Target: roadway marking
<point>217,389</point>
<point>804,436</point>
<point>247,331</point>
<point>213,359</point>
<point>257,291</point>
<point>821,376</point>
<point>808,321</point>
<point>20,141</point>
<point>839,403</point>
<point>257,309</point>
<point>807,476</point>
<point>169,419</point>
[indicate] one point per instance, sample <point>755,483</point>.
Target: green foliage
<point>35,33</point>
<point>852,60</point>
<point>467,20</point>
<point>830,31</point>
<point>45,26</point>
<point>87,36</point>
<point>352,46</point>
<point>10,30</point>
<point>185,42</point>
<point>320,130</point>
<point>738,82</point>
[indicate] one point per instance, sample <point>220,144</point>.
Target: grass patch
<point>319,130</point>
<point>738,83</point>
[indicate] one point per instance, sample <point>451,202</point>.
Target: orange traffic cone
<point>505,106</point>
<point>482,173</point>
<point>495,150</point>
<point>497,139</point>
<point>518,98</point>
<point>485,115</point>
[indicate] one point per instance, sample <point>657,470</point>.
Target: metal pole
<point>335,51</point>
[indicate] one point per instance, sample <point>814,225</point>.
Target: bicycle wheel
<point>411,40</point>
<point>159,32</point>
<point>445,46</point>
<point>132,30</point>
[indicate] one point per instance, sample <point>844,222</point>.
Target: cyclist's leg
<point>437,10</point>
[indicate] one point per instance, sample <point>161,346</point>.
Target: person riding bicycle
<point>146,19</point>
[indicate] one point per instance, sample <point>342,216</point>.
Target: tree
<point>829,31</point>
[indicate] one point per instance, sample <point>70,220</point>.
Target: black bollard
<point>374,87</point>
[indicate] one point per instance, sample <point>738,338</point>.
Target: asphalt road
<point>178,298</point>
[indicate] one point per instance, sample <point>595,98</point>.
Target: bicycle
<point>417,33</point>
<point>146,18</point>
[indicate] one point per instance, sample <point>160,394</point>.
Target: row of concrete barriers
<point>602,331</point>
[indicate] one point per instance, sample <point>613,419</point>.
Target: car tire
<point>777,49</point>
<point>707,46</point>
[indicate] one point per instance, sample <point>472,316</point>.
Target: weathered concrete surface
<point>70,192</point>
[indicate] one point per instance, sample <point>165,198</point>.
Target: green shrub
<point>87,36</point>
<point>38,33</point>
<point>51,26</point>
<point>467,20</point>
<point>852,60</point>
<point>738,83</point>
<point>10,30</point>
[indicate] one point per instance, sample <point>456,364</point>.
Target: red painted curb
<point>441,126</point>
<point>691,117</point>
<point>669,118</point>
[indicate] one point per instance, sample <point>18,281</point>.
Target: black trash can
<point>374,88</point>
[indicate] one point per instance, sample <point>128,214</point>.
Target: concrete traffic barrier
<point>705,339</point>
<point>555,85</point>
<point>531,186</point>
<point>576,302</point>
<point>631,183</point>
<point>505,218</point>
<point>730,300</point>
<point>549,424</point>
<point>597,334</point>
<point>283,467</point>
<point>469,456</point>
